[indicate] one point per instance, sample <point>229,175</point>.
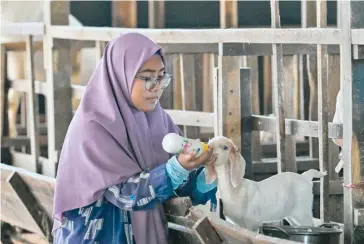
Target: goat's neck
<point>226,189</point>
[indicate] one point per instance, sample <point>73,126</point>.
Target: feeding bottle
<point>174,143</point>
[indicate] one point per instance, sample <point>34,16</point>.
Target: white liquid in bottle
<point>174,143</point>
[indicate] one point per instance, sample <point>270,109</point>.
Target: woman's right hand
<point>189,161</point>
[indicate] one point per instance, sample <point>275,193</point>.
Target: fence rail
<point>232,93</point>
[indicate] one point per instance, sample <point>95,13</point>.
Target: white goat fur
<point>248,203</point>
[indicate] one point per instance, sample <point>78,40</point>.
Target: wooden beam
<point>352,86</point>
<point>124,13</point>
<point>233,234</point>
<point>188,77</point>
<point>156,14</point>
<point>32,108</point>
<point>205,232</point>
<point>322,78</point>
<point>253,35</point>
<point>3,90</point>
<point>278,94</point>
<point>295,127</point>
<point>21,189</point>
<point>58,73</point>
<point>246,113</point>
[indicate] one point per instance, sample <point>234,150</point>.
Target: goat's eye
<point>225,147</point>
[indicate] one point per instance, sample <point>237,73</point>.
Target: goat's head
<point>227,156</point>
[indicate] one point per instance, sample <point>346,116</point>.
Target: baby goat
<point>249,204</point>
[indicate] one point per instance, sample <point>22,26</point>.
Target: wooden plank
<point>357,36</point>
<point>269,165</point>
<point>205,232</point>
<point>246,35</point>
<point>246,112</point>
<point>58,73</point>
<point>346,79</point>
<point>3,90</point>
<point>166,99</point>
<point>188,77</point>
<point>37,212</point>
<point>335,188</point>
<point>278,95</point>
<point>33,108</point>
<point>322,78</point>
<point>40,87</point>
<point>295,127</point>
<point>23,29</point>
<point>289,109</point>
<point>156,15</point>
<point>124,13</point>
<point>229,79</point>
<point>228,14</point>
<point>14,211</point>
<point>233,234</point>
<point>22,159</point>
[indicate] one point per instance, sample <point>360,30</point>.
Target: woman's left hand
<point>189,160</point>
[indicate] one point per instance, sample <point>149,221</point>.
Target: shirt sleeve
<point>142,191</point>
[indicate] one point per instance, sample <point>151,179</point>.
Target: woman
<point>113,173</point>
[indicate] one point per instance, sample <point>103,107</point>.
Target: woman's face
<point>145,94</point>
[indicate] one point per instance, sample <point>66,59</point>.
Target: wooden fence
<point>232,94</point>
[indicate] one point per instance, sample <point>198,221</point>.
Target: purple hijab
<point>108,141</point>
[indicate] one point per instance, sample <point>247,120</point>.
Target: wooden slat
<point>35,209</point>
<point>3,94</point>
<point>229,88</point>
<point>295,127</point>
<point>188,77</point>
<point>156,14</point>
<point>40,87</point>
<point>124,13</point>
<point>278,95</point>
<point>23,29</point>
<point>205,232</point>
<point>357,36</point>
<point>254,35</point>
<point>289,80</point>
<point>233,234</point>
<point>322,78</point>
<point>58,74</point>
<point>13,210</point>
<point>352,99</point>
<point>192,118</point>
<point>32,108</point>
<point>246,112</point>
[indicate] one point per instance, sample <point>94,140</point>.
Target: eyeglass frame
<point>154,80</point>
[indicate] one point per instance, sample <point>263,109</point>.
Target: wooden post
<point>189,89</point>
<point>352,85</point>
<point>156,13</point>
<point>33,109</point>
<point>58,66</point>
<point>3,90</point>
<point>34,208</point>
<point>246,113</point>
<point>309,20</point>
<point>278,83</point>
<point>322,78</point>
<point>289,98</point>
<point>124,13</point>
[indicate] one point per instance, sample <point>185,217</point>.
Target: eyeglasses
<point>151,82</point>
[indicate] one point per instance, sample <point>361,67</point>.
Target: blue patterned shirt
<point>108,219</point>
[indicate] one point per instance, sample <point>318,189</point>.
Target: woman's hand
<point>189,161</point>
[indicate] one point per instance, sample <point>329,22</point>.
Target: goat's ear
<point>237,167</point>
<point>210,173</point>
